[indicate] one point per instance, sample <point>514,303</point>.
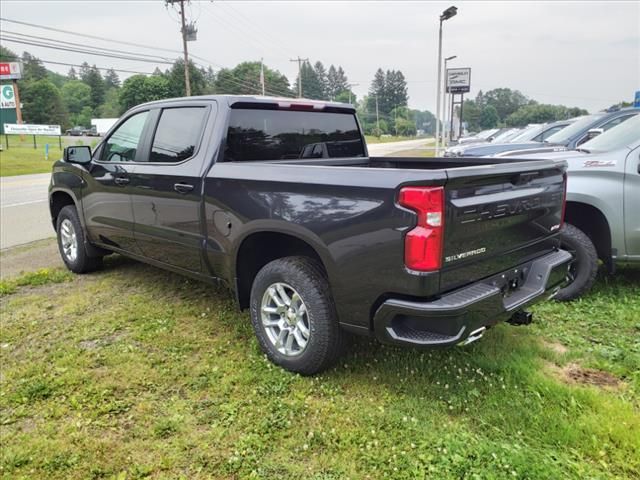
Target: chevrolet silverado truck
<point>279,200</point>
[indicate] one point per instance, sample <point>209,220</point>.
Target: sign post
<point>34,130</point>
<point>10,95</point>
<point>458,82</point>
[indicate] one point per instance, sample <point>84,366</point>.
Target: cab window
<point>177,134</point>
<point>122,145</point>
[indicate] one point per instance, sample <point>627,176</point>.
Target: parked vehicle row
<point>603,204</point>
<point>315,241</point>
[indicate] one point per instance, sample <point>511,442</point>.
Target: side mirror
<point>79,154</point>
<point>594,132</point>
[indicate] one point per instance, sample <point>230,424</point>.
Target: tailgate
<point>499,216</point>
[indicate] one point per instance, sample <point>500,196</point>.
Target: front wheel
<point>71,242</point>
<point>583,268</point>
<point>294,317</point>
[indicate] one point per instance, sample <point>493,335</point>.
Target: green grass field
<point>132,372</point>
<point>21,158</point>
<point>392,138</point>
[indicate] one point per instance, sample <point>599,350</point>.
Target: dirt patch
<point>28,258</point>
<point>101,342</point>
<point>574,374</point>
<point>555,347</point>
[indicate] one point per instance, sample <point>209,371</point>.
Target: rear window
<point>285,134</point>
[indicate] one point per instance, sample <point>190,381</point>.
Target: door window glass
<point>122,145</point>
<point>177,135</point>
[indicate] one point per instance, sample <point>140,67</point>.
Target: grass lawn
<point>132,372</point>
<point>22,161</point>
<point>21,158</point>
<point>371,139</point>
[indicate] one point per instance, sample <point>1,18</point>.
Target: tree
<point>85,68</point>
<point>489,117</point>
<point>175,76</point>
<point>395,89</point>
<point>542,113</point>
<point>321,74</point>
<point>505,101</point>
<point>139,89</point>
<point>377,91</point>
<point>336,82</point>
<point>111,107</point>
<point>32,68</point>
<point>43,103</point>
<point>93,78</point>
<point>425,120</point>
<point>72,75</point>
<point>209,81</point>
<point>470,115</point>
<point>7,55</point>
<point>76,96</point>
<point>311,85</point>
<point>244,79</point>
<point>111,79</point>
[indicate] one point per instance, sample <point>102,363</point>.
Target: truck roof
<point>231,100</point>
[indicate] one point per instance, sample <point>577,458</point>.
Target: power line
<point>244,83</point>
<point>53,62</point>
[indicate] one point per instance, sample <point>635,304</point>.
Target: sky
<point>584,54</point>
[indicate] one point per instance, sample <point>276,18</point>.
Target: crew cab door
<point>166,190</point>
<point>632,203</point>
<point>105,199</point>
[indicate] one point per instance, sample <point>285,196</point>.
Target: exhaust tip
<point>473,336</point>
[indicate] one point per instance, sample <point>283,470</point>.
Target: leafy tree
<point>470,115</point>
<point>43,103</point>
<point>93,78</point>
<point>505,101</point>
<point>7,55</point>
<point>139,89</point>
<point>111,79</point>
<point>347,96</point>
<point>542,113</point>
<point>111,107</point>
<point>244,79</point>
<point>489,117</point>
<point>425,120</point>
<point>210,81</point>
<point>76,96</point>
<point>83,118</point>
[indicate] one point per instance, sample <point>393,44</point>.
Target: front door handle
<point>121,181</point>
<point>182,187</point>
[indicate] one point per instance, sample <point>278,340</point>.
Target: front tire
<point>71,242</point>
<point>294,316</point>
<point>584,268</point>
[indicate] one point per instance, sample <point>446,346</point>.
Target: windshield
<point>620,136</point>
<point>526,134</point>
<point>563,136</point>
<point>486,133</point>
<point>505,136</point>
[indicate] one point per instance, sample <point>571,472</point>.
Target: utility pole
<point>16,94</point>
<point>262,75</point>
<point>187,80</point>
<point>299,60</point>
<point>377,117</point>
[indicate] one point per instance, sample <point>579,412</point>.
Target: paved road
<point>24,214</point>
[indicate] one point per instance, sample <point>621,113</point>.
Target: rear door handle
<point>182,187</point>
<point>121,181</point>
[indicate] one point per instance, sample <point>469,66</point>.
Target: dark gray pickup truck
<point>279,199</point>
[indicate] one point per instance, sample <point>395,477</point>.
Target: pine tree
<point>395,90</point>
<point>342,83</point>
<point>377,90</point>
<point>321,73</point>
<point>111,79</point>
<point>93,78</point>
<point>72,75</point>
<point>311,84</point>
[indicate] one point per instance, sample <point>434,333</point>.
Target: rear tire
<point>584,267</point>
<point>294,316</point>
<point>71,242</point>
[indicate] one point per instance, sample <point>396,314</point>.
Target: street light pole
<point>445,102</point>
<point>446,15</point>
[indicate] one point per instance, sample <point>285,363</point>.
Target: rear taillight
<point>564,198</point>
<point>423,243</point>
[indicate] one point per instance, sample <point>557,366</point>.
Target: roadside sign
<point>10,70</point>
<point>458,80</point>
<point>7,97</point>
<point>27,129</point>
<point>636,103</point>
